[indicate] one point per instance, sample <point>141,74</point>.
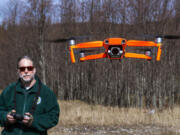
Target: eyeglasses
<point>29,68</point>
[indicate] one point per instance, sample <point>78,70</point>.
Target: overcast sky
<point>3,2</point>
<point>3,5</point>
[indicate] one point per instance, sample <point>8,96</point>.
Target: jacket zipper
<point>24,106</point>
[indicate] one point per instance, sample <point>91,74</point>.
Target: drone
<point>115,48</point>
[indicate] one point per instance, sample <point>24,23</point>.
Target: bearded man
<point>28,107</point>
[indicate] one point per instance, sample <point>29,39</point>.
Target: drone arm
<point>141,43</point>
<point>135,55</point>
<point>72,54</point>
<point>158,53</point>
<point>145,44</point>
<point>93,44</point>
<point>95,56</point>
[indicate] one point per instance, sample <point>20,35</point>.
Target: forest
<point>27,25</point>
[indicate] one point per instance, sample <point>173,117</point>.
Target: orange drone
<point>115,48</point>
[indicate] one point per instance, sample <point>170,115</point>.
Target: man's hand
<point>28,119</point>
<point>10,118</point>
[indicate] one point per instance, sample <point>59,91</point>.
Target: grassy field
<point>80,118</point>
<point>80,113</point>
<point>77,114</point>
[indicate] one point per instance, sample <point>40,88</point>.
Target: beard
<point>27,78</point>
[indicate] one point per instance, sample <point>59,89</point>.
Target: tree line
<point>131,82</point>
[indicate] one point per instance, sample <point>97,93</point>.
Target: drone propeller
<point>161,36</point>
<point>61,40</point>
<point>169,36</point>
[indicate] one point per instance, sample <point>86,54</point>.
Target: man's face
<point>26,70</point>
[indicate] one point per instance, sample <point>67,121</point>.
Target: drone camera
<point>115,51</point>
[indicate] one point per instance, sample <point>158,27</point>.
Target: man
<point>27,107</point>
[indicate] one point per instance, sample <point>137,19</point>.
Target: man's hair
<point>24,57</point>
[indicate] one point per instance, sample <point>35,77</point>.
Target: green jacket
<point>46,114</point>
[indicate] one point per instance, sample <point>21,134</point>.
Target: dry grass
<point>80,113</point>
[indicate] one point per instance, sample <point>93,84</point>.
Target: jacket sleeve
<point>3,110</point>
<point>50,118</point>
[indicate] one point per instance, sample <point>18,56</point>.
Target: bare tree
<point>38,15</point>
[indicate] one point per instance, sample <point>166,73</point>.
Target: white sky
<point>3,7</point>
<point>2,2</point>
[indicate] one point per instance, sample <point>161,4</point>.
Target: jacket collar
<point>21,88</point>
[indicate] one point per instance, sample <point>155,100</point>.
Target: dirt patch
<point>115,130</point>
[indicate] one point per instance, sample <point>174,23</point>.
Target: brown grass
<point>80,113</point>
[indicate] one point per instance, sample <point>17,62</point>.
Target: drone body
<point>115,48</point>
